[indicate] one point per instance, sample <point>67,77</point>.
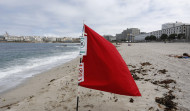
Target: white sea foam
<point>31,67</point>
<point>38,64</point>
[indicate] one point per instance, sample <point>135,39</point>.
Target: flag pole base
<point>77,103</point>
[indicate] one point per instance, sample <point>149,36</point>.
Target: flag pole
<point>80,62</point>
<point>78,91</point>
<point>77,103</point>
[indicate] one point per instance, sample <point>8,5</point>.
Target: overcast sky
<point>65,17</point>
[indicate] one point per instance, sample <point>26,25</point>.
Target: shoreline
<point>23,82</point>
<point>157,76</point>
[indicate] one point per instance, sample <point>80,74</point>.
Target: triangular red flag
<point>104,68</point>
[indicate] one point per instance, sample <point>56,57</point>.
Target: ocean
<point>19,61</point>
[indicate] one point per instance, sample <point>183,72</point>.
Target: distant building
<point>6,34</point>
<point>76,40</point>
<point>141,37</point>
<point>68,39</point>
<point>182,29</point>
<point>170,25</point>
<point>49,39</point>
<point>109,37</point>
<point>119,37</point>
<point>128,35</point>
<point>2,38</point>
<point>60,39</point>
<point>38,39</point>
<point>157,33</point>
<point>29,38</point>
<point>133,31</point>
<point>9,38</point>
<point>142,32</point>
<point>14,39</point>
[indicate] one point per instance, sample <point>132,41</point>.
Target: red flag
<point>105,69</point>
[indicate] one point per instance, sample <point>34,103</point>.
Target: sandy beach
<point>162,80</point>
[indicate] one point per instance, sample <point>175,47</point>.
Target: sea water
<point>19,61</point>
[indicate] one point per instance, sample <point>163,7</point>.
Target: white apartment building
<point>170,25</point>
<point>14,39</point>
<point>181,29</point>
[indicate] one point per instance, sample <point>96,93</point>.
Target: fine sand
<point>162,80</point>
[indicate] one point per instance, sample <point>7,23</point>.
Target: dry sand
<point>162,80</point>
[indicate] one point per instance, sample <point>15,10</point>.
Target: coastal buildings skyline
<point>128,35</point>
<point>36,39</point>
<point>134,34</point>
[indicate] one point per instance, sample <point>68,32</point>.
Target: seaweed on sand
<point>167,101</point>
<point>146,64</point>
<point>162,71</point>
<point>164,83</point>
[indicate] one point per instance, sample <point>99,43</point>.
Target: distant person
<point>185,55</point>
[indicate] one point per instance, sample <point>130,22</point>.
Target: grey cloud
<point>64,18</point>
